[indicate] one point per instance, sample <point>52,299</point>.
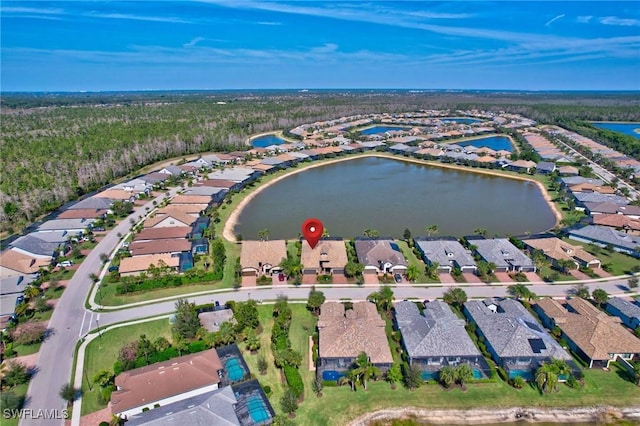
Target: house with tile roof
<point>447,253</point>
<point>262,257</point>
<point>436,338</point>
<point>524,166</point>
<point>617,221</point>
<point>328,257</point>
<point>555,250</point>
<point>162,233</point>
<point>136,265</point>
<point>344,333</point>
<point>627,311</point>
<point>15,262</point>
<point>380,255</point>
<point>595,336</point>
<point>502,253</point>
<point>170,246</point>
<point>516,341</point>
<point>166,382</point>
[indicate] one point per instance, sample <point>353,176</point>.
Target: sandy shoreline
<point>232,221</point>
<point>508,415</point>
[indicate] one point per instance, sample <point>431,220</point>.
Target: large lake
<point>382,129</point>
<point>626,128</point>
<point>460,120</point>
<point>390,195</point>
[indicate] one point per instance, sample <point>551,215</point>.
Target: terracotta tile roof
<point>255,253</point>
<point>141,263</point>
<point>174,217</point>
<point>81,214</point>
<point>162,233</point>
<point>146,385</point>
<point>346,334</point>
<point>593,331</point>
<point>159,246</point>
<point>21,262</point>
<point>191,199</point>
<point>262,167</point>
<point>616,221</point>
<point>190,209</point>
<point>218,183</point>
<point>557,249</point>
<point>115,194</point>
<point>326,254</point>
<point>486,159</point>
<point>589,187</point>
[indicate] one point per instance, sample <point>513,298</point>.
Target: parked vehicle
<point>113,269</point>
<point>398,278</point>
<point>281,277</point>
<point>65,263</point>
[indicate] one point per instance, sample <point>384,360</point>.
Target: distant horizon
<point>328,89</point>
<point>103,46</point>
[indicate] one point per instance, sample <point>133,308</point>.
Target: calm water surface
<point>461,120</point>
<point>382,129</point>
<point>266,140</point>
<point>626,128</point>
<point>389,195</point>
<point>494,142</point>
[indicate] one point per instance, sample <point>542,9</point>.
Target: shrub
<point>294,380</point>
<point>518,382</point>
<point>503,374</point>
<point>29,333</point>
<point>267,389</point>
<point>574,383</point>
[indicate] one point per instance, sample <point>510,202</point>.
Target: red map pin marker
<point>312,230</point>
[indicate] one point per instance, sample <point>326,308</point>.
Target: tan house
<point>344,334</point>
<point>170,217</point>
<point>555,249</point>
<point>589,187</point>
<point>594,335</point>
<point>262,257</point>
<point>14,262</point>
<point>618,221</point>
<point>165,382</point>
<point>191,199</point>
<point>170,246</point>
<point>163,233</point>
<point>136,265</point>
<point>328,257</point>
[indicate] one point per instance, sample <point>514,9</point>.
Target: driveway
<point>310,279</point>
<point>370,279</point>
<point>504,277</point>
<point>602,273</point>
<point>533,277</point>
<point>472,278</point>
<point>446,278</point>
<point>579,275</point>
<point>340,279</point>
<point>249,280</point>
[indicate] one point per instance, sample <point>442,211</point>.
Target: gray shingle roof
<point>607,235</point>
<point>439,332</point>
<point>236,174</point>
<point>65,224</point>
<point>446,252</point>
<point>173,170</point>
<point>629,309</point>
<point>212,408</point>
<point>501,252</point>
<point>374,252</point>
<point>32,244</point>
<point>573,180</point>
<point>93,203</point>
<point>595,197</point>
<point>510,330</point>
<point>546,166</point>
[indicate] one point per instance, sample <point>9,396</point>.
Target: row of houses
<point>433,336</point>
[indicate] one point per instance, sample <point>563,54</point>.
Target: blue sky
<point>237,44</point>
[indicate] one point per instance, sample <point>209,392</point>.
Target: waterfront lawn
<point>621,263</point>
<point>103,351</point>
<point>412,259</point>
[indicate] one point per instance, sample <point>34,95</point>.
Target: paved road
<point>53,368</point>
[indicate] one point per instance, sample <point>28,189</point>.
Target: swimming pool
<point>477,374</point>
<point>235,371</point>
<point>429,375</point>
<point>258,411</point>
<point>525,374</point>
<point>331,375</point>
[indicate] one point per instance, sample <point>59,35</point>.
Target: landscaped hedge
<point>169,353</point>
<point>294,380</point>
<point>166,281</point>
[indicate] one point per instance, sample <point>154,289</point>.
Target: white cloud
<point>137,17</point>
<point>624,22</point>
<point>269,23</point>
<point>193,42</point>
<point>551,21</point>
<point>584,19</point>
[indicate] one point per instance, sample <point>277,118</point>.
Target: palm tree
<point>581,290</point>
<point>546,378</point>
<point>480,231</point>
<point>517,290</point>
<point>560,367</point>
<point>371,233</point>
<point>599,295</point>
<point>455,296</point>
<point>464,374</point>
<point>447,376</point>
<point>431,229</point>
<point>364,369</point>
<point>31,292</point>
<point>263,234</point>
<point>412,272</point>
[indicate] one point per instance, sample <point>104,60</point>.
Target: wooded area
<point>56,147</point>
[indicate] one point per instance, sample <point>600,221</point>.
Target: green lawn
<point>20,391</point>
<point>107,295</point>
<point>620,262</point>
<point>102,353</point>
<point>413,260</point>
<point>22,350</point>
<point>546,271</point>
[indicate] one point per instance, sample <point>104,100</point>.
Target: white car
<point>65,263</point>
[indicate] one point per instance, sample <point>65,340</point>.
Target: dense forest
<point>56,147</point>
